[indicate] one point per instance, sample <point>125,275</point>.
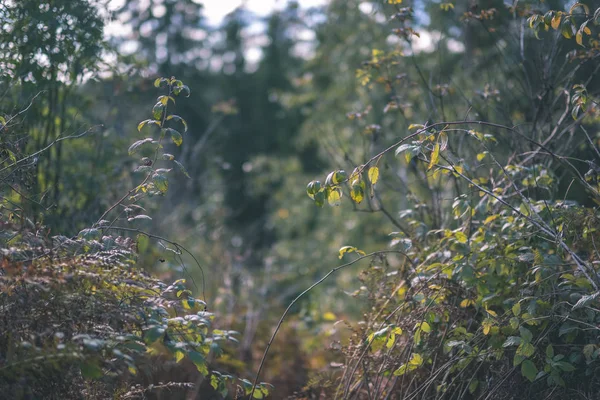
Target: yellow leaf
<point>425,327</point>
<point>357,192</point>
<point>579,38</point>
<point>461,237</point>
<point>489,219</point>
<point>329,316</point>
<point>487,326</point>
<point>373,175</point>
<point>346,249</point>
<point>416,360</point>
<point>350,249</point>
<point>466,303</point>
<point>492,313</point>
<point>481,156</point>
<point>435,156</point>
<point>335,197</point>
<point>395,1</point>
<point>402,292</point>
<point>556,21</point>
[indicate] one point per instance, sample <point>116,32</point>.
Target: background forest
<point>354,200</point>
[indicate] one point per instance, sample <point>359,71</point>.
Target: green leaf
<point>512,341</point>
<point>182,168</point>
<point>146,122</point>
<point>588,351</point>
<point>199,361</point>
<point>175,136</point>
<point>566,328</point>
<point>135,146</point>
<point>585,300</point>
<point>516,309</point>
<point>565,366</point>
<point>157,110</point>
<point>339,176</point>
<point>549,351</point>
<point>89,234</point>
<point>524,209</point>
<point>525,349</point>
<point>178,118</point>
<point>91,370</point>
<point>153,334</point>
<point>357,192</point>
<point>246,385</point>
<point>403,148</point>
<point>473,386</point>
<point>165,99</point>
<point>320,198</point>
<point>529,370</point>
<point>313,188</point>
<point>160,182</point>
<point>526,334</point>
<point>518,359</point>
<point>514,322</point>
<point>181,88</point>
<point>566,28</point>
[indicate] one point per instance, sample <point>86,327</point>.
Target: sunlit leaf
<point>403,148</point>
<point>160,182</point>
<point>350,249</point>
<point>334,197</point>
<point>135,146</point>
<point>357,192</point>
<point>373,175</point>
<point>435,156</point>
<point>313,188</point>
<point>175,136</point>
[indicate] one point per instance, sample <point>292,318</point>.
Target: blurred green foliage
<point>482,281</point>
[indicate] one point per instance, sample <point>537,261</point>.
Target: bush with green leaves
<point>81,318</point>
<point>490,288</point>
